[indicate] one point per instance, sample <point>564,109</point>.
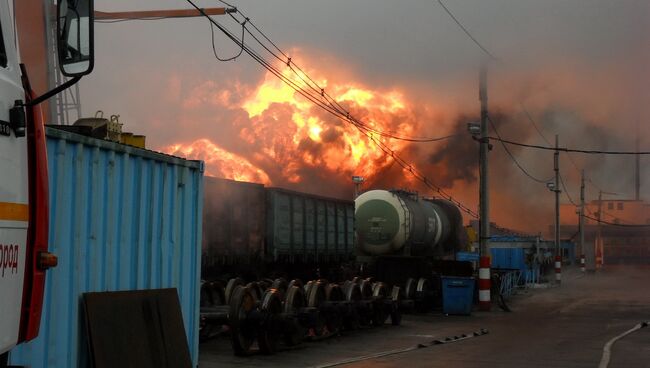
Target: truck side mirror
<point>75,37</point>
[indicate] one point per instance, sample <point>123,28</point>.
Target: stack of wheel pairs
<point>276,313</point>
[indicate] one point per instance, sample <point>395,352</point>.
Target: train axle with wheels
<point>280,313</point>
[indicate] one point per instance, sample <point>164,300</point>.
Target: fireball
<point>289,139</point>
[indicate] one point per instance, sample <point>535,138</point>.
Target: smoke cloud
<point>579,68</point>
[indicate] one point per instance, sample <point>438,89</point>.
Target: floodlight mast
<point>358,181</point>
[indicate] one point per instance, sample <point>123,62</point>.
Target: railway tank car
<point>400,222</point>
<point>402,235</point>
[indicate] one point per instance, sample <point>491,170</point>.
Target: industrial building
<point>615,231</point>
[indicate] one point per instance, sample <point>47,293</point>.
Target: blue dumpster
<point>457,294</point>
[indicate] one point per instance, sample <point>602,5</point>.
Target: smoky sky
<point>579,67</point>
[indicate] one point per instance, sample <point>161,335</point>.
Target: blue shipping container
<point>569,252</point>
<point>509,258</point>
<point>121,218</point>
<point>457,294</point>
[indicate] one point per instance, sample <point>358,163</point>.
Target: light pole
<point>558,248</point>
<point>358,181</point>
<point>484,200</point>
<point>581,223</point>
<point>553,187</point>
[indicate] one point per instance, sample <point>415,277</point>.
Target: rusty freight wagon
<point>253,232</point>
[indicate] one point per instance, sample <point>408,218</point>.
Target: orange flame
<point>219,162</point>
<point>288,136</point>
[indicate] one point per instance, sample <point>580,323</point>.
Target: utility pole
<point>581,222</point>
<point>558,250</point>
<point>637,172</point>
<point>590,249</point>
<point>484,207</point>
<point>599,236</point>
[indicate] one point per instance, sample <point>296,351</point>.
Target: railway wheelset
<point>276,313</point>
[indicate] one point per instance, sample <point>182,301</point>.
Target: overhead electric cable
<point>486,51</point>
<point>613,223</point>
<point>532,121</point>
<point>566,191</point>
<point>334,110</point>
<point>565,149</point>
<point>320,92</point>
<point>614,217</point>
<point>214,49</point>
<point>496,131</point>
<point>568,155</point>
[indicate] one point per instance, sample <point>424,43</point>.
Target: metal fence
<point>508,281</point>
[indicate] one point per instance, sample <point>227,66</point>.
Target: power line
<point>324,101</point>
<point>566,191</point>
<point>451,15</point>
<point>315,87</point>
<point>564,149</point>
<point>513,157</point>
<point>589,181</point>
<point>534,124</point>
<point>486,51</point>
<point>228,4</point>
<point>613,216</point>
<point>337,110</point>
<point>538,130</point>
<point>613,223</point>
<point>214,49</point>
<point>603,212</point>
<point>320,92</point>
<point>532,121</point>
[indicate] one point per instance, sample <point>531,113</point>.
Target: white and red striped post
<point>558,269</point>
<point>484,302</point>
<point>582,263</point>
<point>599,256</point>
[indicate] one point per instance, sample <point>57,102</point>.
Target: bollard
<point>484,284</point>
<point>558,269</point>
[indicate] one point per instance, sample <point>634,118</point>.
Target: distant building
<point>624,238</point>
<point>621,211</point>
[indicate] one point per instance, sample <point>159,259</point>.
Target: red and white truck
<point>24,256</point>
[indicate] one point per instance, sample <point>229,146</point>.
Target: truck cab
<point>14,189</point>
<point>24,201</point>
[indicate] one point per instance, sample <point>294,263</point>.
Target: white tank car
<point>402,223</point>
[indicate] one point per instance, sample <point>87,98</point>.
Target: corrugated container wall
<point>509,258</point>
<point>121,218</point>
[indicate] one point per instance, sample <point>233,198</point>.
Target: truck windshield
<point>3,51</point>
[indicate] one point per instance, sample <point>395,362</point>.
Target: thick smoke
<point>288,156</point>
<point>578,68</point>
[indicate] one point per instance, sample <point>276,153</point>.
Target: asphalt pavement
<point>565,326</point>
